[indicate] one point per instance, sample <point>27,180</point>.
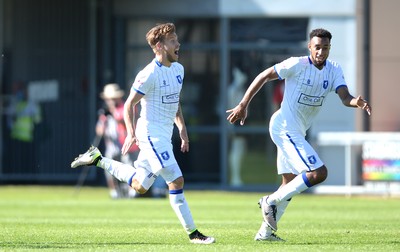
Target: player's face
<point>171,47</point>
<point>319,51</point>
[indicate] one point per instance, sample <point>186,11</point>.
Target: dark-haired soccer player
<point>308,80</point>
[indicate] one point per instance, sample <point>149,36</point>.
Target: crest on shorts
<point>165,155</point>
<point>312,159</point>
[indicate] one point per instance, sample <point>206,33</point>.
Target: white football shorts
<point>156,157</point>
<point>295,154</point>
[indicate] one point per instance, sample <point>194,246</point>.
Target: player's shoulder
<point>152,66</point>
<point>150,69</point>
<point>296,60</point>
<point>147,73</point>
<point>177,66</point>
<point>333,64</point>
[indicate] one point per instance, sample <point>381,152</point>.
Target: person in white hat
<point>110,125</point>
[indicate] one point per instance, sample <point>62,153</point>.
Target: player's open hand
<point>185,146</point>
<point>129,141</point>
<point>363,104</point>
<point>238,112</point>
<point>185,141</point>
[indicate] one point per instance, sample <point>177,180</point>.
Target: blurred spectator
<point>22,115</point>
<point>238,141</point>
<point>110,125</point>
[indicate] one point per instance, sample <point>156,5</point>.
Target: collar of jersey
<point>309,60</point>
<point>158,63</point>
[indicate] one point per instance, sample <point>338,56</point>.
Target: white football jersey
<point>161,87</point>
<point>306,88</point>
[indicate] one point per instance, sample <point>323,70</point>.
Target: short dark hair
<point>320,33</point>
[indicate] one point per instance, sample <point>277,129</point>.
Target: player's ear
<point>158,46</point>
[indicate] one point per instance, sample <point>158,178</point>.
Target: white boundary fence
<point>348,140</point>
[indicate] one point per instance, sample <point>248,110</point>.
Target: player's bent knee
<point>141,190</point>
<point>138,187</point>
<point>176,184</point>
<point>321,174</point>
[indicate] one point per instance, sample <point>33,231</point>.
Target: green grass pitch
<point>50,218</point>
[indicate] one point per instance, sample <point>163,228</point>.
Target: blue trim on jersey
<point>309,60</point>
<point>179,191</point>
<point>140,92</point>
<point>343,85</point>
<point>277,73</point>
<point>158,63</point>
<point>305,179</point>
<point>155,152</point>
<point>298,151</point>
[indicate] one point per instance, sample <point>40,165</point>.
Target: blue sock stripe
<point>179,191</point>
<point>305,179</point>
<point>130,180</point>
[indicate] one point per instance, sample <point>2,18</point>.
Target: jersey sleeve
<point>181,72</point>
<point>286,68</point>
<point>339,79</point>
<point>143,82</point>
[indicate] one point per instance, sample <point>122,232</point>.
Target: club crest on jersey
<point>179,78</point>
<point>165,155</point>
<point>312,159</point>
<point>325,85</point>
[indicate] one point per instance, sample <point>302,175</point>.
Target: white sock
<point>120,171</point>
<point>265,230</point>
<point>280,210</point>
<point>181,209</point>
<point>299,184</point>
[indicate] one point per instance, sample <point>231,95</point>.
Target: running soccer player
<point>157,87</point>
<point>308,80</point>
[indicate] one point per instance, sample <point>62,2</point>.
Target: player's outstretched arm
<point>351,101</point>
<point>240,111</point>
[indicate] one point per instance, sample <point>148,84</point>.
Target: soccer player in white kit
<point>308,80</point>
<point>157,87</point>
